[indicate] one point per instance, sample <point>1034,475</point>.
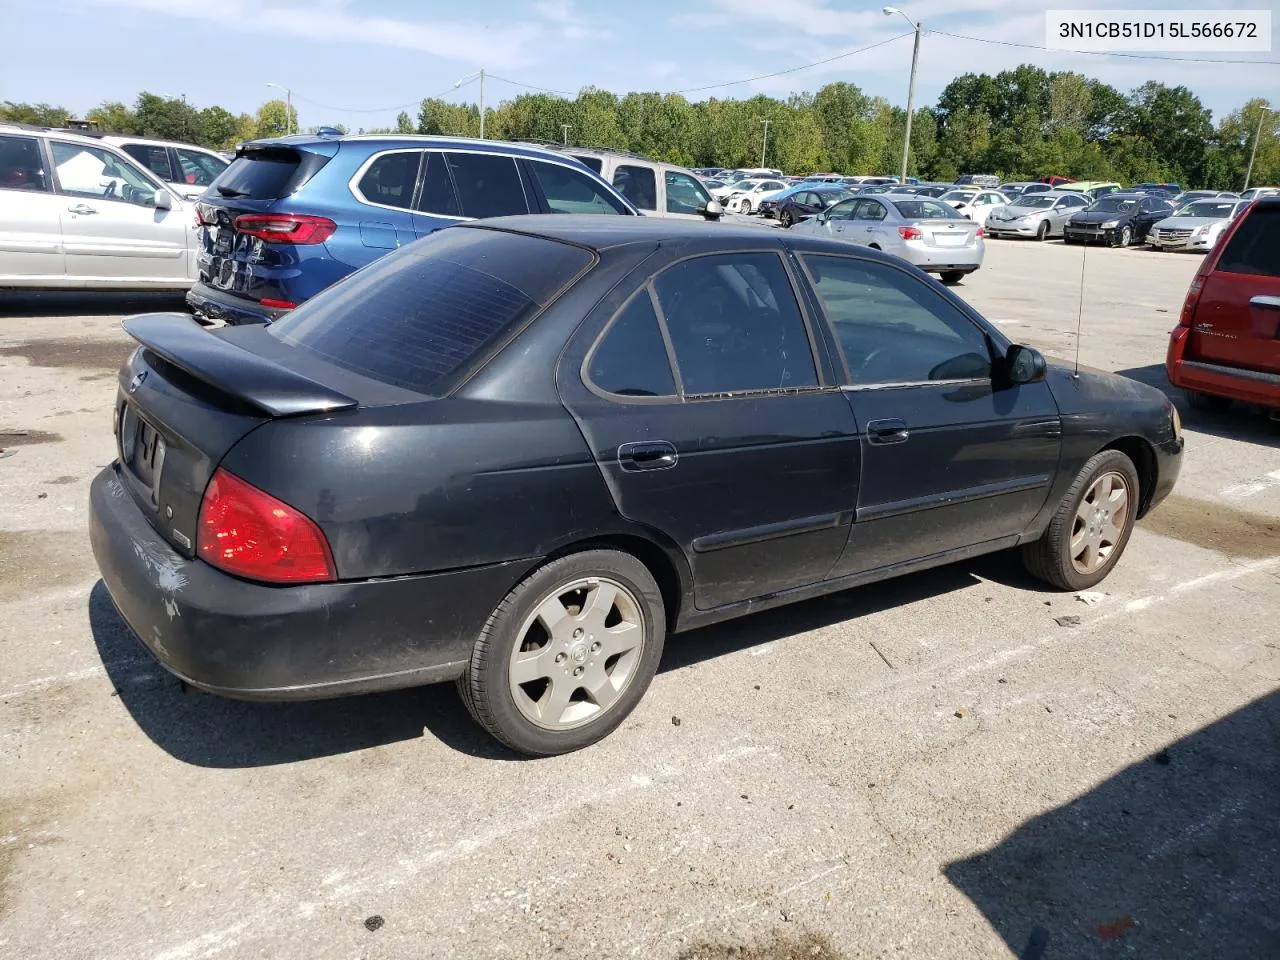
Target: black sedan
<point>519,452</point>
<point>1117,219</point>
<point>804,204</point>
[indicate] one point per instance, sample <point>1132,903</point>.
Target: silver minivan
<point>655,188</point>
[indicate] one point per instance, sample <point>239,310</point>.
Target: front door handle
<point>82,208</point>
<point>887,431</point>
<point>647,455</point>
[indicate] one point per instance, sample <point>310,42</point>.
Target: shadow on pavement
<point>89,303</point>
<point>1177,855</point>
<point>212,731</point>
<point>1237,422</point>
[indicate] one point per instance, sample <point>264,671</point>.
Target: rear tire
<point>785,219</point>
<point>1090,529</point>
<point>592,626</point>
<point>1207,402</point>
<point>1042,231</point>
<point>951,277</point>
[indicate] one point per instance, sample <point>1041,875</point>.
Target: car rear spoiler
<point>243,376</point>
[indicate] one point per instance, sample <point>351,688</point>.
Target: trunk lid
<point>946,232</point>
<point>186,397</point>
<point>1237,318</point>
<point>261,175</point>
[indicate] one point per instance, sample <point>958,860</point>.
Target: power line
<point>803,66</point>
<point>400,106</point>
<point>530,86</point>
<point>1096,53</point>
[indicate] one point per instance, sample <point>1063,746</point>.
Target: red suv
<point>1227,342</point>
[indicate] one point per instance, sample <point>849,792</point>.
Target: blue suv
<point>293,215</point>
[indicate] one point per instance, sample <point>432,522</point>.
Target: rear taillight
<point>910,233</point>
<point>981,232</point>
<point>251,534</point>
<point>274,304</point>
<point>1192,301</point>
<point>286,227</point>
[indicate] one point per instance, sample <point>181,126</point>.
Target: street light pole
<point>764,146</point>
<point>911,90</point>
<point>565,128</point>
<point>467,79</point>
<point>288,107</point>
<point>1253,154</point>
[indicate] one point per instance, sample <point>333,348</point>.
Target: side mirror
<point>1024,365</point>
<point>823,216</point>
<point>164,200</point>
<point>714,210</point>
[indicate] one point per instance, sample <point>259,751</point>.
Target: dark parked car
<point>806,203</point>
<point>520,452</point>
<point>1226,345</point>
<point>1117,219</point>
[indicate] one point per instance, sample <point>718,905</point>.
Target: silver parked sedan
<point>1197,226</point>
<point>1040,215</point>
<point>920,230</point>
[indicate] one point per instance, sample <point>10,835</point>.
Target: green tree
<point>114,117</point>
<point>1176,125</point>
<point>217,127</point>
<point>275,119</point>
<point>38,114</point>
<point>404,122</point>
<point>167,118</point>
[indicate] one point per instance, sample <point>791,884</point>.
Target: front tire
<point>1042,231</point>
<point>568,654</point>
<point>1091,527</point>
<point>1126,237</point>
<point>785,219</point>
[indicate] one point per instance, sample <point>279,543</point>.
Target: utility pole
<point>288,106</point>
<point>1253,154</point>
<point>482,103</point>
<point>764,146</point>
<point>911,90</point>
<point>564,129</point>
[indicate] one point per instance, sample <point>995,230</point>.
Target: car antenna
<point>1084,253</point>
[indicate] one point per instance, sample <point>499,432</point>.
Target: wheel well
<point>874,246</point>
<point>650,554</point>
<point>1144,459</point>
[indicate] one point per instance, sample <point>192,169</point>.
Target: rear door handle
<point>1265,303</point>
<point>82,208</point>
<point>887,431</point>
<point>647,455</point>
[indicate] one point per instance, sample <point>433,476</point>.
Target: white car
<point>186,168</point>
<point>745,195</point>
<point>78,213</point>
<point>975,204</point>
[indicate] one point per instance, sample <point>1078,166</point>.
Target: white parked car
<point>975,204</point>
<point>745,195</point>
<point>77,213</point>
<point>186,168</point>
<point>656,189</point>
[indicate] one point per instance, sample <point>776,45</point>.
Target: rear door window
<point>595,163</point>
<point>438,196</point>
<point>572,191</point>
<point>735,324</point>
<point>21,165</point>
<point>154,158</point>
<point>1255,246</point>
<point>198,168</point>
<point>419,315</point>
<point>637,184</point>
<point>631,358</point>
<point>488,185</point>
<point>390,179</point>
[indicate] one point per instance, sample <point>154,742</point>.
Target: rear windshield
<point>417,316</point>
<point>595,163</point>
<point>1255,246</point>
<point>926,210</point>
<point>267,174</point>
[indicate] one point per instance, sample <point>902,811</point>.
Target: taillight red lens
<point>910,233</point>
<point>286,227</point>
<point>251,534</point>
<point>981,232</point>
<point>276,304</point>
<point>1191,301</point>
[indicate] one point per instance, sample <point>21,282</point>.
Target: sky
<point>358,62</point>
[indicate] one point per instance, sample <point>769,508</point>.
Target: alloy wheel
<point>577,653</point>
<point>1099,522</point>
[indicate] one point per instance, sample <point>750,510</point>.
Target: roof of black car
<point>602,232</point>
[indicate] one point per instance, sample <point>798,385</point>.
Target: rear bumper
<point>205,301</point>
<point>944,259</point>
<point>252,641</point>
<point>1247,386</point>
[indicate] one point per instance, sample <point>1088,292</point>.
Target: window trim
<point>175,161</point>
<point>992,341</point>
<point>354,183</point>
<point>169,156</point>
<point>653,173</point>
<point>120,155</point>
<point>46,165</point>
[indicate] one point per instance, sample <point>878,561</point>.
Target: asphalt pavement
<point>956,764</point>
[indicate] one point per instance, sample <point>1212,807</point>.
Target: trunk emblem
<point>137,381</point>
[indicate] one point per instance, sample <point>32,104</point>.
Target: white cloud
<point>505,45</point>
